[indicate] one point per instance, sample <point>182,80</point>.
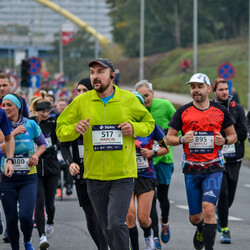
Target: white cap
<point>199,77</point>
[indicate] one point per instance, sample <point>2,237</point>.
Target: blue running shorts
<point>202,187</point>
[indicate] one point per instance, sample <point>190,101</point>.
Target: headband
<point>14,99</point>
<point>43,106</point>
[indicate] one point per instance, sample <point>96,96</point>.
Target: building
<point>43,22</point>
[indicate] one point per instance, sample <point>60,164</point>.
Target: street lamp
<point>195,34</point>
<point>141,71</point>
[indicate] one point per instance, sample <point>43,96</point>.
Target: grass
<point>164,71</point>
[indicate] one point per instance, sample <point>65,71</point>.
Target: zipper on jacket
<point>104,150</point>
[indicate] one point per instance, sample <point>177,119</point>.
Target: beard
<point>199,98</point>
<point>103,86</point>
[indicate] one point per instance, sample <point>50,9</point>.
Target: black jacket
<point>74,156</point>
<point>48,164</point>
<point>240,126</point>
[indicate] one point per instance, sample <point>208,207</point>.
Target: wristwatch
<point>10,159</point>
<point>226,140</point>
<point>155,152</point>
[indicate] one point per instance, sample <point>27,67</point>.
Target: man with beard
<point>201,122</point>
<point>109,118</point>
<point>233,155</point>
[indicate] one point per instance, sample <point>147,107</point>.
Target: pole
<point>195,34</point>
<point>96,28</point>
<point>249,57</point>
<point>61,47</point>
<point>141,71</point>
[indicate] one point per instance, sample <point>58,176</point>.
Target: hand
<point>145,152</point>
<point>127,128</point>
<point>74,169</point>
<point>33,161</point>
<point>189,137</point>
<point>81,126</point>
<point>8,169</point>
<point>219,140</point>
<point>19,130</point>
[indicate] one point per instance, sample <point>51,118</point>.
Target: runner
<point>74,161</point>
<point>108,118</point>
<point>48,170</point>
<point>162,111</point>
<point>201,122</point>
<point>145,184</point>
<point>22,186</point>
<point>233,155</point>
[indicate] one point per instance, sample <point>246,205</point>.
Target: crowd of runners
<point>116,146</point>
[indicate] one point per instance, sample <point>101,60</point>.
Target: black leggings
<point>162,195</point>
<point>46,191</point>
<point>227,193</point>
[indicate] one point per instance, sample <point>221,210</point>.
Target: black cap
<point>104,62</point>
<point>86,82</point>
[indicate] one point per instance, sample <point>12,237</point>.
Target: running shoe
<point>149,242</point>
<point>28,245</point>
<point>198,240</point>
<point>1,223</point>
<point>59,192</point>
<point>165,232</point>
<point>157,243</point>
<point>225,237</point>
<point>69,190</point>
<point>44,244</point>
<point>49,230</point>
<point>6,238</point>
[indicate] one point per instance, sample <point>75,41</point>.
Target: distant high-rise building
<point>44,21</point>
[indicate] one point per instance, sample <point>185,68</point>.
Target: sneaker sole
<point>44,246</point>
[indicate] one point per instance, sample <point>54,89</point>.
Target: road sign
<point>35,81</point>
<point>14,83</point>
<point>226,71</point>
<point>35,65</point>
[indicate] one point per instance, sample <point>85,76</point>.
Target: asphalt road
<point>71,230</point>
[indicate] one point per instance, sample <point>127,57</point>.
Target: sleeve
<point>143,122</point>
<point>66,122</point>
<point>64,147</point>
<point>176,121</point>
<point>228,119</point>
<point>158,134</point>
<point>241,124</point>
<point>38,135</point>
<point>5,123</point>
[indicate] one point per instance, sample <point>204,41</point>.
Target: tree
<point>76,55</point>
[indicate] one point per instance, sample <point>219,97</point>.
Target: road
<point>71,232</point>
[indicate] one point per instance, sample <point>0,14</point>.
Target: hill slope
<point>164,70</point>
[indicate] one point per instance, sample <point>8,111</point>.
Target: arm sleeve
<point>64,147</point>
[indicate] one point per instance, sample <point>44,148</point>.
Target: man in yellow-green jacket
<point>108,118</point>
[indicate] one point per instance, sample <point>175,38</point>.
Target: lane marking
<point>230,218</point>
<point>247,185</point>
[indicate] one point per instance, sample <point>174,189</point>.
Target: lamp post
<point>249,57</point>
<point>141,71</point>
<point>195,34</point>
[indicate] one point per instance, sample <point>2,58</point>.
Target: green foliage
<point>169,24</point>
<point>164,69</point>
